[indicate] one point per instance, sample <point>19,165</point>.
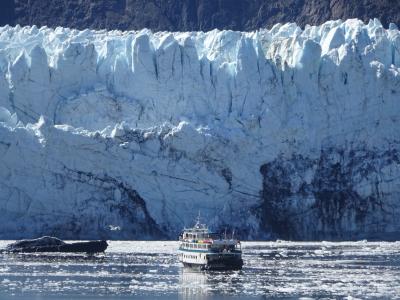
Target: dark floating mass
<point>53,244</point>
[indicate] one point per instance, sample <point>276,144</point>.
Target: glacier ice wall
<point>285,133</point>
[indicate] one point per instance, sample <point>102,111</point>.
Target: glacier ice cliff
<point>281,133</point>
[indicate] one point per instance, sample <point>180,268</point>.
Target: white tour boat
<point>199,248</point>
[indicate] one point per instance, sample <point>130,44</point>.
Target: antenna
<point>198,220</point>
<point>233,233</point>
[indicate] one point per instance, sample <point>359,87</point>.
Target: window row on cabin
<point>196,246</point>
<point>196,236</point>
<point>190,256</point>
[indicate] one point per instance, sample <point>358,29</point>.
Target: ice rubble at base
<point>139,130</point>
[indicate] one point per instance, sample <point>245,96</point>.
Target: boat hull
<point>51,244</point>
<point>220,264</point>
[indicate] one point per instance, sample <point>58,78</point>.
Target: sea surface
<point>148,270</point>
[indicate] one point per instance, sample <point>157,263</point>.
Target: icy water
<point>148,270</point>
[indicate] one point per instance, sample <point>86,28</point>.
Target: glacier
<point>279,133</point>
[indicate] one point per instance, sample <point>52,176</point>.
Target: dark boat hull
<point>78,247</point>
<point>217,265</point>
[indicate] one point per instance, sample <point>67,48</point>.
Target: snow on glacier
<point>140,131</point>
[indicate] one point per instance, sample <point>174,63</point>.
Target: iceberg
<point>280,133</point>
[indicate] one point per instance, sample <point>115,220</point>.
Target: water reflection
<point>210,284</point>
<point>193,284</point>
